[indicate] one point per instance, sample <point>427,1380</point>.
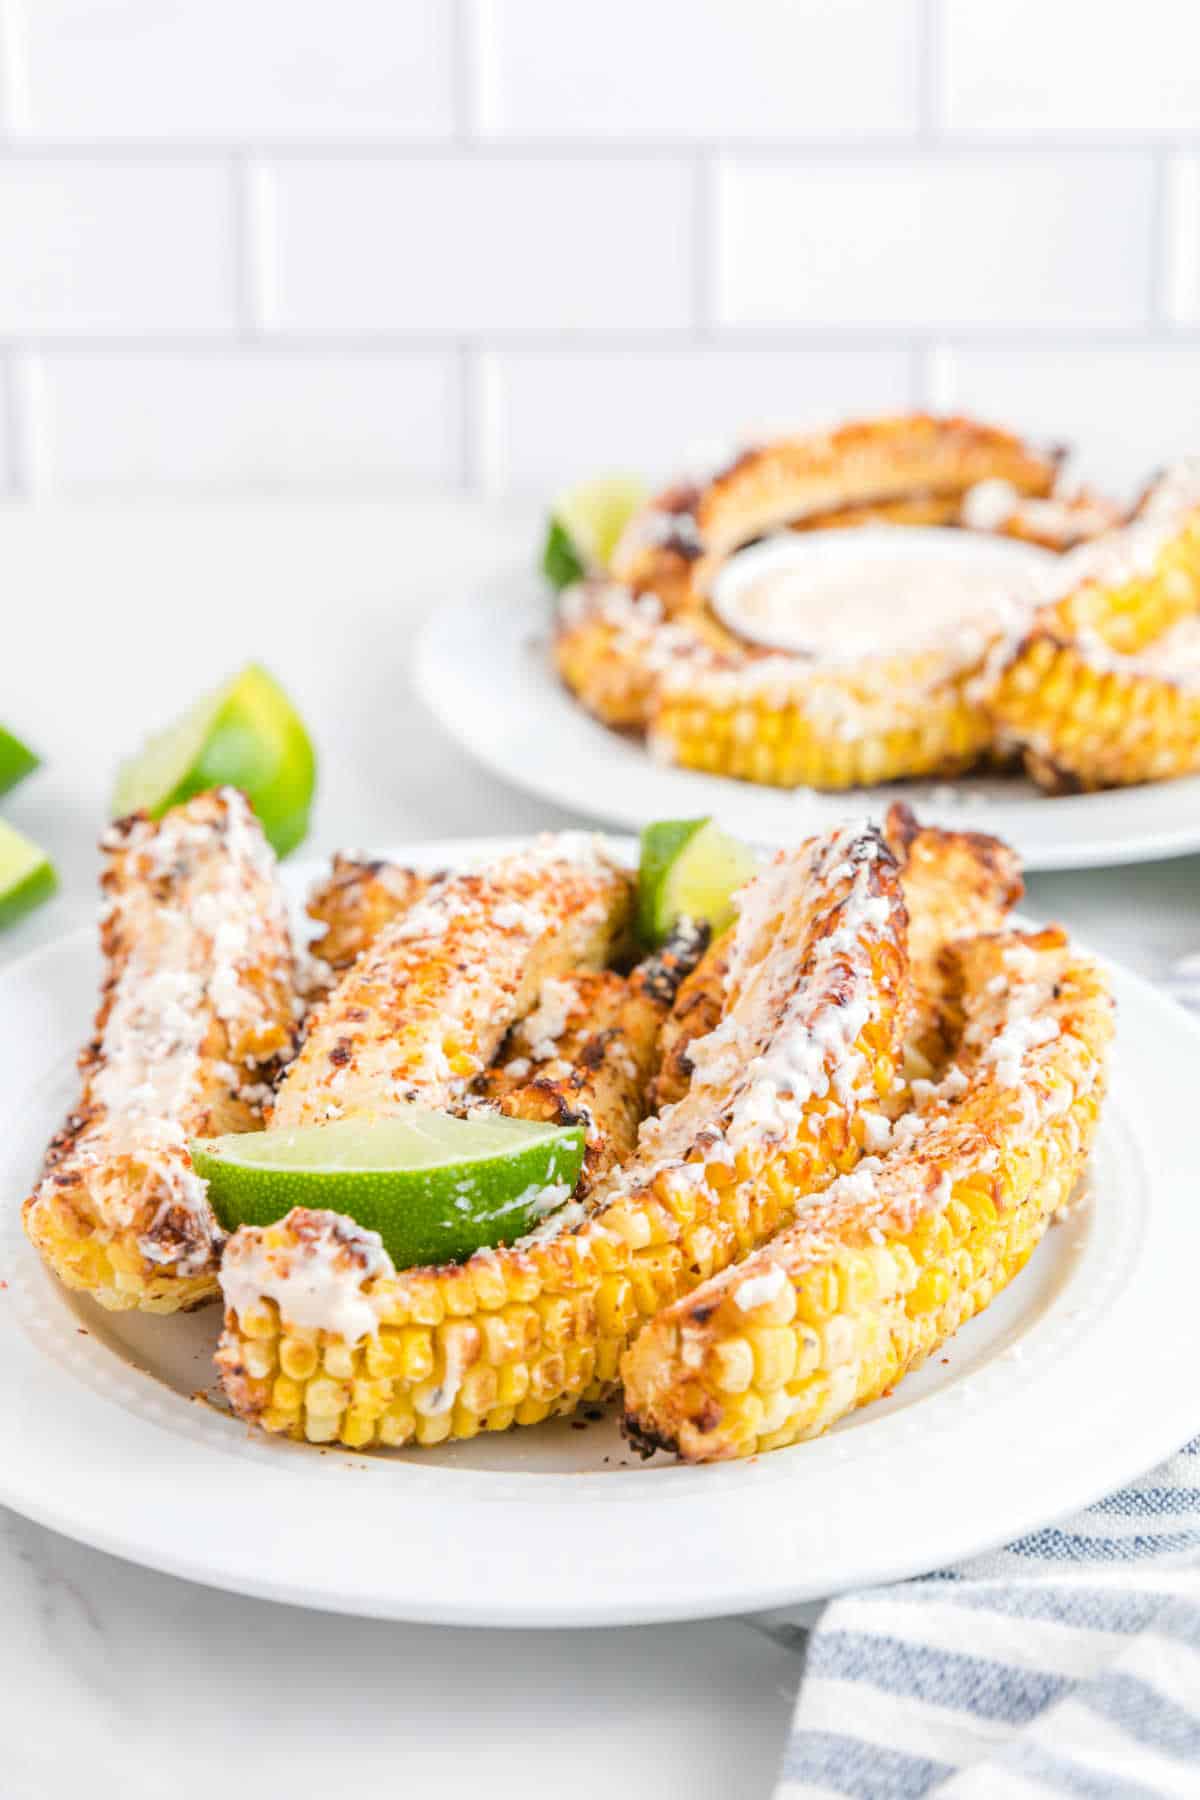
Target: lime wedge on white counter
<point>689,868</point>
<point>585,524</point>
<point>433,1186</point>
<point>16,760</point>
<point>26,876</point>
<point>247,735</point>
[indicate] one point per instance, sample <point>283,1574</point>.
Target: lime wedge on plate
<point>585,524</point>
<point>434,1187</point>
<point>26,876</point>
<point>16,760</point>
<point>247,734</point>
<point>689,868</point>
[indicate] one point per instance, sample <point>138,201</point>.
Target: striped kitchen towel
<point>1068,1663</point>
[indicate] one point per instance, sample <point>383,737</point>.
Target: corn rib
<point>355,901</point>
<point>425,1009</point>
<point>891,1260</point>
<point>196,1012</point>
<point>672,547</point>
<point>587,1053</point>
<point>784,1095</point>
<point>1104,688</point>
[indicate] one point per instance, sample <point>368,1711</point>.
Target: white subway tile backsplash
<point>1126,410</point>
<point>1059,66</point>
<point>266,419</point>
<point>115,247</point>
<point>697,68</point>
<point>289,245</point>
<point>986,239</point>
<point>551,417</point>
<point>460,244</point>
<point>168,70</point>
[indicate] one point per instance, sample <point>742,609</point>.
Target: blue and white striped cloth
<point>1068,1663</point>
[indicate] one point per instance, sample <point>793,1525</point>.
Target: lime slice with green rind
<point>16,760</point>
<point>247,735</point>
<point>689,869</point>
<point>585,523</point>
<point>26,876</point>
<point>435,1188</point>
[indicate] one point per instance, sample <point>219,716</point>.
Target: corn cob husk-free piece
<point>1104,688</point>
<point>817,977</point>
<point>889,1262</point>
<point>424,1009</point>
<point>197,1011</point>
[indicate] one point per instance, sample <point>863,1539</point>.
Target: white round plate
<point>483,667</point>
<point>1076,1379</point>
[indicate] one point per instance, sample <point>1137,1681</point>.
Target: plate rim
<point>513,593</point>
<point>1150,1436</point>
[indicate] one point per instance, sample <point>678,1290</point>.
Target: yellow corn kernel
<point>298,1357</point>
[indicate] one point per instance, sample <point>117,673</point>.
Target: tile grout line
<point>466,30</point>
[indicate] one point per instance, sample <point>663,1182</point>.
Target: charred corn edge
<point>842,1326</point>
<point>514,1335</point>
<point>68,1216</point>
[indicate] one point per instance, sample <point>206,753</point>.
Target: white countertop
<point>114,1680</point>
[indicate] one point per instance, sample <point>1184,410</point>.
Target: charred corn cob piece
<point>957,884</point>
<point>784,1095</point>
<point>697,1011</point>
<point>612,647</point>
<point>1104,689</point>
<point>196,1012</point>
<point>586,1054</point>
<point>888,1262</point>
<point>356,900</point>
<point>424,1011</point>
<point>673,546</point>
<point>783,722</point>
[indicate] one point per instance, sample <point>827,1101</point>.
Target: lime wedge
<point>434,1187</point>
<point>585,524</point>
<point>26,876</point>
<point>247,734</point>
<point>16,760</point>
<point>689,869</point>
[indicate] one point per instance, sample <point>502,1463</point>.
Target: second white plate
<point>1078,1377</point>
<point>483,667</point>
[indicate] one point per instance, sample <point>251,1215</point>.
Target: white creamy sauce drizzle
<point>186,958</point>
<point>542,1028</point>
<point>1015,1022</point>
<point>317,1284</point>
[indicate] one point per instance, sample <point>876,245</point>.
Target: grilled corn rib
<point>424,1010</point>
<point>893,1258</point>
<point>785,1093</point>
<point>673,546</point>
<point>586,1054</point>
<point>356,900</point>
<point>1104,689</point>
<point>197,1008</point>
<point>957,884</point>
